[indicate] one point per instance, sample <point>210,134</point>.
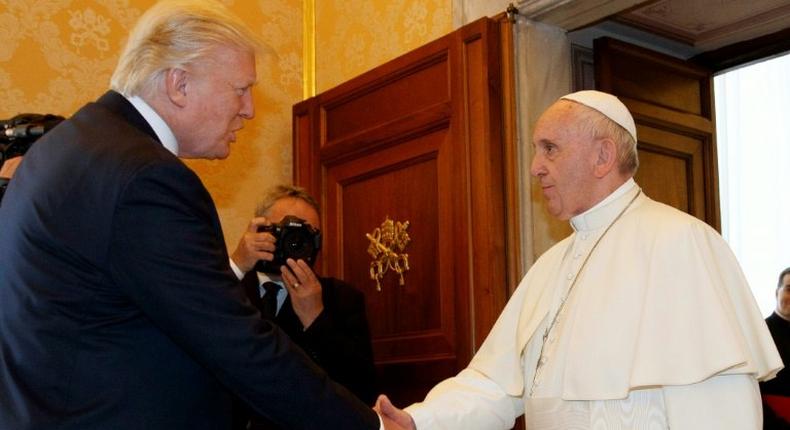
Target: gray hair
<point>285,191</point>
<point>598,126</point>
<point>173,34</point>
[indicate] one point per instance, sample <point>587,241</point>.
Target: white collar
<point>266,277</point>
<point>162,130</point>
<point>606,210</point>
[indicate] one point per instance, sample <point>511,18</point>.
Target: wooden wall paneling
<point>668,162</point>
<point>417,139</point>
<point>672,104</point>
<point>459,256</point>
<point>305,156</point>
<point>483,119</point>
<point>387,179</point>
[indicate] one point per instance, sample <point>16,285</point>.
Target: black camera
<point>18,133</point>
<point>296,239</point>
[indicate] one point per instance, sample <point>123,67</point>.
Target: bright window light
<point>753,144</point>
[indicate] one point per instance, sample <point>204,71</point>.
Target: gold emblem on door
<point>387,243</point>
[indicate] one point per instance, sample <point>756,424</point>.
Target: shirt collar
<point>266,277</point>
<point>162,130</point>
<point>607,209</point>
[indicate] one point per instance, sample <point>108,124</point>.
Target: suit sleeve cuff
<point>236,270</point>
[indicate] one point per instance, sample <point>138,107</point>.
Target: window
<point>753,143</point>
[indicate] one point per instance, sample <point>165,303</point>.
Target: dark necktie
<point>269,300</point>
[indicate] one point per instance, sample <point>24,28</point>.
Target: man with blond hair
<point>641,319</point>
<point>118,307</point>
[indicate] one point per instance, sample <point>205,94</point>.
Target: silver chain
<point>570,289</point>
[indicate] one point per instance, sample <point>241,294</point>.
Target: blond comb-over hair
<point>174,34</point>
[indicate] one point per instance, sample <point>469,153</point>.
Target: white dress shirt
<point>162,130</point>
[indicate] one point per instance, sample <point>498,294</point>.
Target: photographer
<point>324,316</point>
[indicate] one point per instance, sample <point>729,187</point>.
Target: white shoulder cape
<point>665,303</point>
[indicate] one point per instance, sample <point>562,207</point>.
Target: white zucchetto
<point>607,104</point>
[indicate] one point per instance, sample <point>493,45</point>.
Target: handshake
<point>392,417</point>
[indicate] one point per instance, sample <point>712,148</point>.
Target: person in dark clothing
<point>324,316</point>
<point>776,392</point>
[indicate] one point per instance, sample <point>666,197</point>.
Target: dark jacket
<point>118,309</point>
<point>338,340</point>
<point>779,387</point>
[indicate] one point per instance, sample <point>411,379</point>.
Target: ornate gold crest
<point>385,240</point>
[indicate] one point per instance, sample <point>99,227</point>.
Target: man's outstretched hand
<point>394,418</point>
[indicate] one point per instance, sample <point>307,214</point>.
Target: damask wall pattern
<point>354,36</point>
<point>56,55</point>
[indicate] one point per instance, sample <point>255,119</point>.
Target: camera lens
<point>297,244</point>
<point>295,239</point>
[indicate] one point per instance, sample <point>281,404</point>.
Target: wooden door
<point>672,104</point>
<point>417,139</point>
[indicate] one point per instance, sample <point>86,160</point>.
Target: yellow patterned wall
<point>353,36</point>
<point>56,55</point>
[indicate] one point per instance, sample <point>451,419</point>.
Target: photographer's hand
<point>9,167</point>
<point>254,246</point>
<point>304,288</point>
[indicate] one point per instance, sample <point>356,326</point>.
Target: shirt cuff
<point>236,270</point>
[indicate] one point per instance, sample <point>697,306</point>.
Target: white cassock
<point>659,331</point>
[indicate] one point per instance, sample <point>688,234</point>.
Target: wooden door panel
<point>368,190</point>
<point>656,166</point>
<point>671,102</point>
<point>670,167</point>
<point>664,83</point>
<point>418,139</point>
<point>424,83</point>
<point>415,326</point>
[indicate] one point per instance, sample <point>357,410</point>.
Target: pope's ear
<point>606,159</point>
<point>176,86</point>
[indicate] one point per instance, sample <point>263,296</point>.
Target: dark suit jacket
<point>779,386</point>
<point>118,309</point>
<point>338,340</point>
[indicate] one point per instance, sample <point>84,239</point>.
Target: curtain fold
<point>543,74</point>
